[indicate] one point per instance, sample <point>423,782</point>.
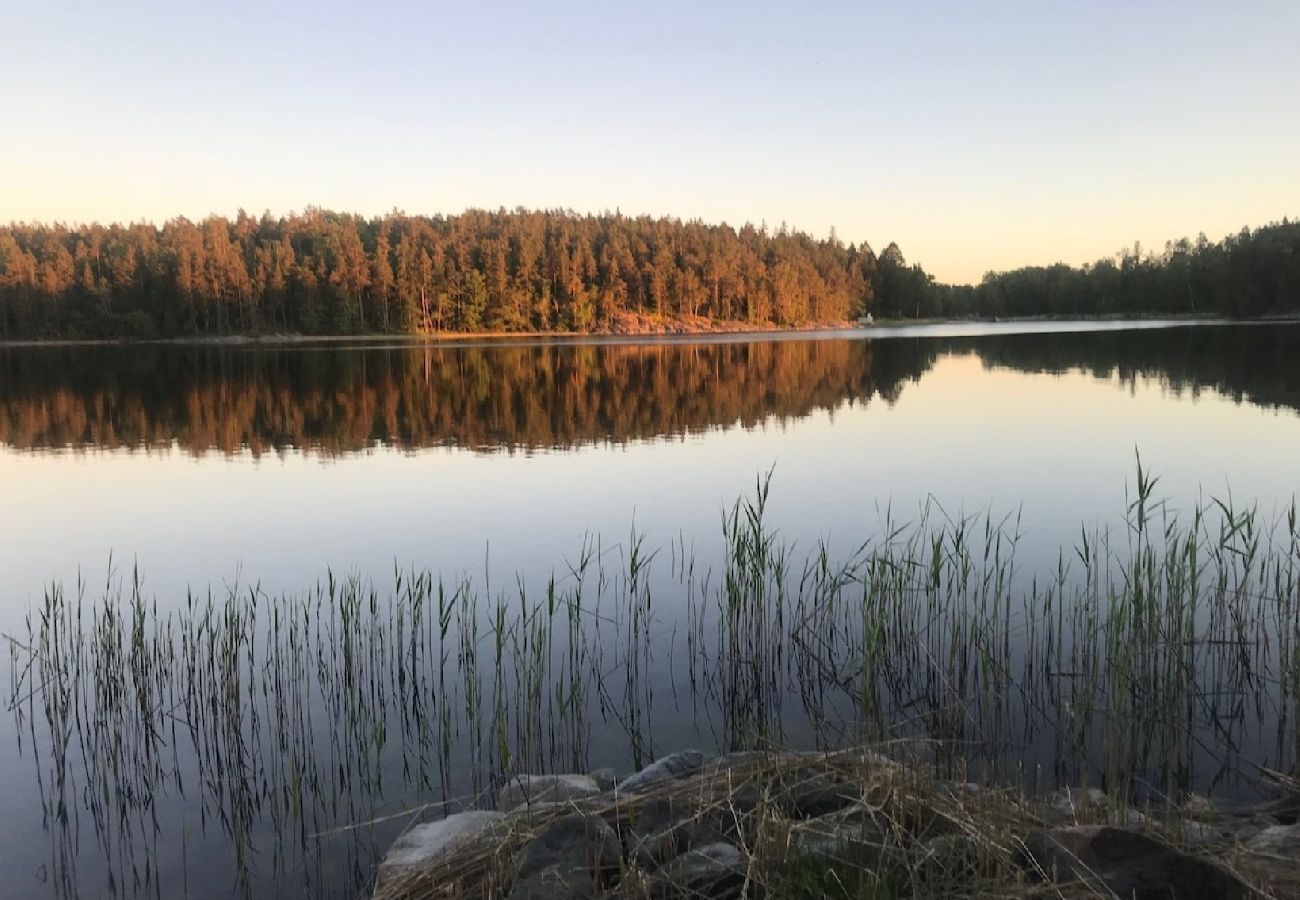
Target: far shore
<point>640,331</point>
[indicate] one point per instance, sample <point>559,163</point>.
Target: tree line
<point>321,272</point>
<point>1251,274</point>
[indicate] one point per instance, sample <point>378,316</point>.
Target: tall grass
<point>1156,657</point>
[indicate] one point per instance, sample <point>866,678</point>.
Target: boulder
<point>573,856</point>
<point>1129,864</point>
<point>949,859</point>
<point>432,844</point>
<point>714,870</point>
<point>651,850</point>
<point>1279,840</point>
<point>527,790</point>
<point>816,795</point>
<point>553,883</point>
<point>668,768</point>
<point>658,829</point>
<point>1199,806</point>
<point>1068,804</point>
<point>1273,859</point>
<point>1285,810</point>
<point>849,835</point>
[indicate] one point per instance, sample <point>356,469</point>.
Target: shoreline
<point>674,330</point>
<point>802,825</point>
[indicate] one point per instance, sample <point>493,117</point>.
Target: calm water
<point>212,466</point>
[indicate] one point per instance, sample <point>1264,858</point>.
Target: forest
<point>321,272</point>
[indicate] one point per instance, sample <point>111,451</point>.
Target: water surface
<point>206,466</point>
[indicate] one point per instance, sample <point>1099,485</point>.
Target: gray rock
<point>847,835</point>
<point>1069,804</point>
<point>651,850</point>
<point>574,841</point>
<point>816,795</point>
<point>762,759</point>
<point>1279,840</point>
<point>1129,864</point>
<point>1286,810</point>
<point>1199,835</point>
<point>605,778</point>
<point>660,828</point>
<point>675,765</point>
<point>436,843</point>
<point>949,859</point>
<point>1198,806</point>
<point>527,790</point>
<point>1282,811</point>
<point>715,870</point>
<point>553,883</point>
<point>1130,818</point>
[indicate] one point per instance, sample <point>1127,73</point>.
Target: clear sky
<point>978,135</point>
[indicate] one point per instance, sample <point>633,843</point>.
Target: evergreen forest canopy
<point>321,272</point>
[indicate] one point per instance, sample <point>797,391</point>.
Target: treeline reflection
<point>1251,363</point>
<point>339,400</point>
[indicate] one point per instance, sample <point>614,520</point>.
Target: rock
<point>527,790</point>
<point>817,795</point>
<point>1068,804</point>
<point>573,856</point>
<point>650,851</point>
<point>1131,818</point>
<point>662,828</point>
<point>432,844</point>
<point>950,859</point>
<point>1282,811</point>
<point>657,814</point>
<point>1198,806</point>
<point>1286,810</point>
<point>553,883</point>
<point>1129,864</point>
<point>1279,840</point>
<point>759,760</point>
<point>604,778</point>
<point>848,835</point>
<point>1271,860</point>
<point>675,765</point>
<point>715,870</point>
<point>1201,834</point>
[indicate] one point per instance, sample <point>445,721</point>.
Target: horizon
<point>977,139</point>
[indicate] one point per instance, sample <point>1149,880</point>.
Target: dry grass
<point>905,834</point>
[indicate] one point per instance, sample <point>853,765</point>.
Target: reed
<point>1157,657</point>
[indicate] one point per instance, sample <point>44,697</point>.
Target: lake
<point>353,468</point>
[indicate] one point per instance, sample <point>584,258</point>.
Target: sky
<point>979,136</point>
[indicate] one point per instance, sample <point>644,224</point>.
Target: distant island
<point>521,271</point>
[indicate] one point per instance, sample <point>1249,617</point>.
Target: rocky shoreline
<point>849,824</point>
